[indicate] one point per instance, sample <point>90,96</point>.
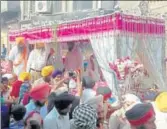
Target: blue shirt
<point>17,125</point>
<point>32,107</point>
<point>56,121</point>
<point>23,89</point>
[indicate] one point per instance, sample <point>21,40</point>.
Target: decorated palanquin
<point>109,36</point>
<point>133,76</point>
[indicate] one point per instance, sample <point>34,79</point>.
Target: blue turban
<point>56,72</point>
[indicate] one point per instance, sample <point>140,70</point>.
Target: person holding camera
<point>70,82</point>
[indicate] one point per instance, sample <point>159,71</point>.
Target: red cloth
<point>16,88</point>
<point>40,92</point>
<point>26,98</point>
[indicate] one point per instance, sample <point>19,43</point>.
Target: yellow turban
<point>25,76</point>
<point>47,70</point>
<point>40,45</point>
<point>20,40</point>
<point>161,102</point>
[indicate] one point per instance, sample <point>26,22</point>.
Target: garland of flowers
<point>124,66</point>
<point>133,75</point>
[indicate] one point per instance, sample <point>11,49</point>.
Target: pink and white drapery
<point>33,35</point>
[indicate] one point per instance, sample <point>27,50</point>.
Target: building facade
<point>40,13</point>
<point>10,17</point>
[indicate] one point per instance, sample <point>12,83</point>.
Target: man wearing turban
<point>141,116</point>
<point>18,56</point>
<point>160,108</point>
<point>39,95</point>
<point>37,60</point>
<point>46,74</point>
<point>73,59</point>
<point>58,117</point>
<point>84,117</point>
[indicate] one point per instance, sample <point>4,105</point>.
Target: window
<point>82,5</point>
<point>4,6</point>
<point>57,6</point>
<point>32,7</point>
<point>25,8</point>
<point>108,4</point>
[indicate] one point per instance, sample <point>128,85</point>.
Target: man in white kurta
<point>18,56</point>
<point>37,60</point>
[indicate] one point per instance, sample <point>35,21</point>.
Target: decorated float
<point>110,37</point>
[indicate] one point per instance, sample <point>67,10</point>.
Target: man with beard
<point>37,60</point>
<point>141,116</point>
<point>39,95</point>
<point>58,117</point>
<point>73,59</point>
<point>46,76</point>
<point>18,56</point>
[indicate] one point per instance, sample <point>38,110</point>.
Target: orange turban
<point>47,70</point>
<point>40,92</point>
<point>20,40</point>
<point>40,45</point>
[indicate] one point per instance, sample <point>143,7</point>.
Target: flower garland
<point>123,66</point>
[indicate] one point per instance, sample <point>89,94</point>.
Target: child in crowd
<point>26,86</point>
<point>5,90</point>
<point>18,112</point>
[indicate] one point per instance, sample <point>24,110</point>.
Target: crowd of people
<point>65,99</point>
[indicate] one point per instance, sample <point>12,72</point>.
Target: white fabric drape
<point>150,52</point>
<point>104,48</point>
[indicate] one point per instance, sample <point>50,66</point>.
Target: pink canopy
<point>82,29</point>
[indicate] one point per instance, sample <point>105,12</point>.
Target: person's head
<point>32,124</point>
<point>105,92</point>
<point>87,82</point>
<point>129,100</point>
<point>18,112</point>
<point>47,73</point>
<point>57,75</point>
<point>70,46</point>
<point>20,42</point>
<point>52,51</point>
<point>5,82</point>
<point>141,116</point>
<point>97,103</point>
<point>11,77</point>
<point>40,46</point>
<point>40,94</point>
<point>150,96</point>
<point>25,76</point>
<point>63,103</point>
<point>33,121</point>
<point>85,117</point>
<point>161,102</point>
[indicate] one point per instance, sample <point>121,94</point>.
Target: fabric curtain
<point>150,53</point>
<point>147,48</point>
<point>104,48</point>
